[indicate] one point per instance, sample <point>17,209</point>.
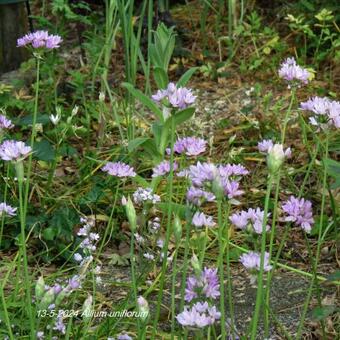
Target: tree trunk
<point>13,25</point>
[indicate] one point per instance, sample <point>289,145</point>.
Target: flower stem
<point>168,230</point>
<point>261,271</point>
<point>221,267</point>
<point>23,251</point>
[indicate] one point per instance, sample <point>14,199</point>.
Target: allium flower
<point>124,336</point>
<point>200,315</point>
<point>11,150</point>
<point>197,196</point>
<point>326,112</point>
<point>253,218</point>
<point>154,224</point>
<point>252,261</point>
<point>276,156</point>
<point>6,209</point>
<point>119,169</point>
<point>206,285</point>
<point>139,239</point>
<point>163,168</point>
<point>177,97</point>
<point>59,325</point>
<point>142,195</point>
<point>149,256</point>
<point>231,188</point>
<point>40,39</point>
<point>200,220</point>
<point>202,173</point>
<point>300,212</point>
<point>232,170</point>
<point>77,257</point>
<point>293,73</point>
<point>240,220</point>
<point>5,123</point>
<point>191,146</point>
<point>265,145</point>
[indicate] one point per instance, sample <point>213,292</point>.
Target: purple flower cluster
<point>300,212</point>
<point>191,146</point>
<point>252,219</point>
<point>198,289</point>
<point>154,224</point>
<point>205,286</point>
<point>293,73</point>
<point>119,169</point>
<point>163,168</point>
<point>198,196</point>
<point>200,220</point>
<point>326,112</point>
<point>5,123</point>
<point>177,97</point>
<point>142,195</point>
<point>206,176</point>
<point>11,150</point>
<point>88,245</point>
<point>267,146</point>
<point>199,315</point>
<point>252,261</point>
<point>40,39</point>
<point>6,209</point>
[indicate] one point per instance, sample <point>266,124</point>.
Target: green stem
<point>23,250</point>
<point>133,274</point>
<point>33,135</point>
<point>229,278</point>
<point>221,267</point>
<point>319,243</point>
<point>261,271</point>
<point>168,230</point>
<point>173,293</point>
<point>5,198</point>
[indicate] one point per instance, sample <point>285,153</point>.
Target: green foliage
<point>161,51</point>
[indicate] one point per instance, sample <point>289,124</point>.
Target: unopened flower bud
<point>87,308</point>
<point>47,299</point>
<point>40,288</point>
<point>75,110</point>
<point>275,158</point>
<point>131,214</point>
<point>143,308</point>
<point>196,265</point>
<point>102,96</point>
<point>177,229</point>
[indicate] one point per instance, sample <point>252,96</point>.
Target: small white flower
<point>55,118</point>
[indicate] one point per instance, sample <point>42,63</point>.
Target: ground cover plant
<point>172,172</point>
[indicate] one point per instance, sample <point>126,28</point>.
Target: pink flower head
<point>293,73</point>
<point>40,39</point>
<point>119,169</point>
<point>11,150</point>
<point>300,212</point>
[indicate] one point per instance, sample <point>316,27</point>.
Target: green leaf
<point>183,115</point>
<point>28,120</point>
<point>161,78</point>
<point>320,313</point>
<point>49,233</point>
<point>44,151</point>
<point>334,276</point>
<point>135,143</point>
<point>333,169</point>
<point>144,100</point>
<point>186,77</point>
